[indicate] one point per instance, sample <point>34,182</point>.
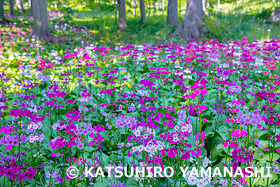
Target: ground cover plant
<point>79,103</point>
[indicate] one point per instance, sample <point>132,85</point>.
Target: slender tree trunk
<point>133,3</point>
<point>155,7</point>
<point>204,6</point>
<point>149,8</point>
<point>163,6</point>
<point>235,6</point>
<point>122,15</point>
<point>19,4</point>
<point>12,7</point>
<point>142,10</point>
<point>31,7</point>
<point>172,12</point>
<point>116,15</point>
<point>2,13</point>
<point>41,22</point>
<point>192,26</point>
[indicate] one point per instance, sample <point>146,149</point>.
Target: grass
<point>136,32</point>
<point>229,23</point>
<point>236,27</point>
<point>233,21</point>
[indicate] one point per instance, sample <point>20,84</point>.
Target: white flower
<point>137,133</point>
<point>200,183</point>
<point>191,159</point>
<point>205,164</point>
<point>192,180</point>
<point>160,147</point>
<point>189,128</point>
<point>152,149</point>
<point>184,128</point>
<point>31,140</point>
<point>55,126</point>
<point>147,149</point>
<point>207,160</point>
<point>29,126</point>
<point>145,136</point>
<point>140,128</point>
<point>207,177</point>
<point>140,148</point>
<point>175,138</point>
<point>35,126</point>
<point>134,149</point>
<point>205,181</point>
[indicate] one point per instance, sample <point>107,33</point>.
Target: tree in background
<point>19,4</point>
<point>192,24</point>
<point>2,14</point>
<point>12,7</point>
<point>122,15</point>
<point>172,12</point>
<point>142,10</point>
<point>41,22</point>
<point>31,8</point>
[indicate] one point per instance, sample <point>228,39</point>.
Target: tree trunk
<point>142,10</point>
<point>163,6</point>
<point>149,8</point>
<point>155,7</point>
<point>41,22</point>
<point>2,13</point>
<point>12,7</point>
<point>133,3</point>
<point>116,14</point>
<point>204,2</point>
<point>172,12</point>
<point>122,15</point>
<point>31,7</point>
<point>192,26</point>
<point>19,4</point>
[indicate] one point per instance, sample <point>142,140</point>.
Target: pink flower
<point>265,149</point>
<point>225,144</point>
<point>8,147</point>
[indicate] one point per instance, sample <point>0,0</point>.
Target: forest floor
<point>232,21</point>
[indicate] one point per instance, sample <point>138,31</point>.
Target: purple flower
<point>257,142</point>
<point>275,170</point>
<point>80,146</point>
